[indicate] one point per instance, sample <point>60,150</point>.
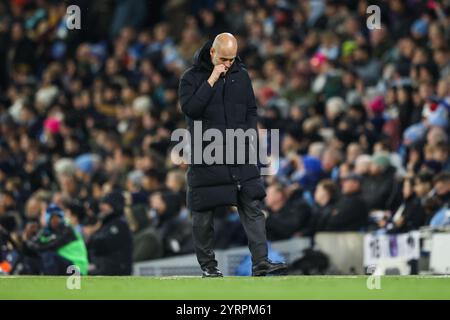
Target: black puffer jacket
<point>350,214</point>
<point>382,192</point>
<point>292,218</point>
<point>111,247</point>
<point>229,104</point>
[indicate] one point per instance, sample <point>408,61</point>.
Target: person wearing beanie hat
<point>114,201</point>
<point>58,246</point>
<point>419,28</point>
<point>52,125</point>
<point>438,118</point>
<point>381,160</point>
<point>51,211</point>
<point>311,172</point>
<point>110,243</point>
<point>414,134</point>
<point>381,190</point>
<point>350,212</point>
<point>377,105</point>
<point>87,163</point>
<point>318,60</point>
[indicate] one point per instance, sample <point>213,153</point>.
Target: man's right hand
<point>215,74</point>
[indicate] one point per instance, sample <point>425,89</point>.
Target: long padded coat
<point>229,104</point>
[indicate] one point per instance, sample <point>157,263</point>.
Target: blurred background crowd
<point>86,117</point>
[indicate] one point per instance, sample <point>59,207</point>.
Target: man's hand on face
<point>215,74</point>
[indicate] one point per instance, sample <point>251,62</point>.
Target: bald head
<point>225,41</point>
<point>224,49</point>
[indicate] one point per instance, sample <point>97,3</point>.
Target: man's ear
<point>211,52</point>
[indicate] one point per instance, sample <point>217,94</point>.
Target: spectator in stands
<point>147,243</point>
<point>441,155</point>
<point>75,212</point>
<point>381,190</point>
<point>285,218</point>
<point>175,182</point>
<point>173,229</point>
<point>325,198</point>
<point>134,187</point>
<point>411,213</point>
<point>57,245</point>
<point>351,211</point>
<point>109,240</point>
<point>33,209</point>
<point>423,186</point>
<point>153,181</point>
<point>442,194</point>
<point>330,162</point>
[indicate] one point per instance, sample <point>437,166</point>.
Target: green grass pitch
<point>193,288</point>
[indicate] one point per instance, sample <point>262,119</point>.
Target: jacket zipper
<point>238,182</point>
<point>223,102</point>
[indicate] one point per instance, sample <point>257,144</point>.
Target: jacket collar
<point>202,60</point>
<point>110,217</point>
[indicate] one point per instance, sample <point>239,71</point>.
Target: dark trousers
<point>54,264</point>
<point>46,263</point>
<point>251,218</point>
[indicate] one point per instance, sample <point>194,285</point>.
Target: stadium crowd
<point>86,117</point>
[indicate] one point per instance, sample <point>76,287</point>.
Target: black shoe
<point>268,267</point>
<point>212,272</point>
